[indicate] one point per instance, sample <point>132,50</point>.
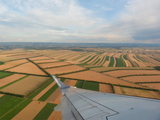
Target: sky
<point>80,21</point>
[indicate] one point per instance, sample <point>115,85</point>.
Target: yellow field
<point>9,79</point>
<point>12,64</point>
<point>88,64</point>
<point>27,68</point>
<point>155,78</point>
<point>105,88</point>
<point>26,85</point>
<point>119,73</point>
<point>136,92</point>
<point>29,112</point>
<point>65,69</point>
<point>98,77</point>
<point>153,85</point>
<point>46,65</point>
<point>45,61</point>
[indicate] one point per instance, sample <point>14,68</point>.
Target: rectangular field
<point>105,88</point>
<point>39,58</point>
<point>45,61</point>
<point>153,85</point>
<point>45,112</point>
<point>7,103</point>
<point>48,65</point>
<point>29,68</point>
<point>136,92</point>
<point>98,77</point>
<point>91,86</point>
<point>16,109</point>
<point>10,79</point>
<point>56,115</point>
<point>30,111</point>
<point>4,74</point>
<point>12,64</point>
<point>103,69</point>
<point>64,69</point>
<point>120,73</point>
<point>26,85</point>
<point>155,78</point>
<point>4,58</point>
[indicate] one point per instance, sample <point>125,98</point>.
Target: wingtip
<point>59,83</point>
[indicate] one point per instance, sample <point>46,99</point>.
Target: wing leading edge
<point>80,104</point>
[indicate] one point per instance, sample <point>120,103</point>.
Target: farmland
<point>27,88</point>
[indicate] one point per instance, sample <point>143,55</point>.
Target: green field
<point>16,110</point>
<point>125,57</point>
<point>4,74</point>
<point>48,93</point>
<point>96,61</point>
<point>45,112</point>
<point>91,58</point>
<point>120,62</point>
<point>91,86</point>
<point>79,84</point>
<point>1,63</point>
<point>111,63</point>
<point>85,59</point>
<point>7,103</point>
<point>40,89</point>
<point>107,58</point>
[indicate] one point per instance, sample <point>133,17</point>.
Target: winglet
<point>60,84</point>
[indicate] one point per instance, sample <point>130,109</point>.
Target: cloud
<point>68,20</point>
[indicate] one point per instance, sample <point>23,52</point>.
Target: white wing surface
<point>80,104</point>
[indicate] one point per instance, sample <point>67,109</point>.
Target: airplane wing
<point>80,104</point>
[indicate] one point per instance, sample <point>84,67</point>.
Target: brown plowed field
<point>26,85</point>
<point>30,111</point>
<point>155,78</point>
<point>45,61</point>
<point>64,69</point>
<point>46,65</point>
<point>94,76</point>
<point>117,90</point>
<point>119,73</point>
<point>27,68</point>
<point>136,92</point>
<point>152,85</point>
<point>39,58</point>
<point>9,79</point>
<point>44,91</point>
<point>105,88</point>
<point>55,115</point>
<point>12,64</point>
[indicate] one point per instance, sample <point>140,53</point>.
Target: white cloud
<point>47,20</point>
